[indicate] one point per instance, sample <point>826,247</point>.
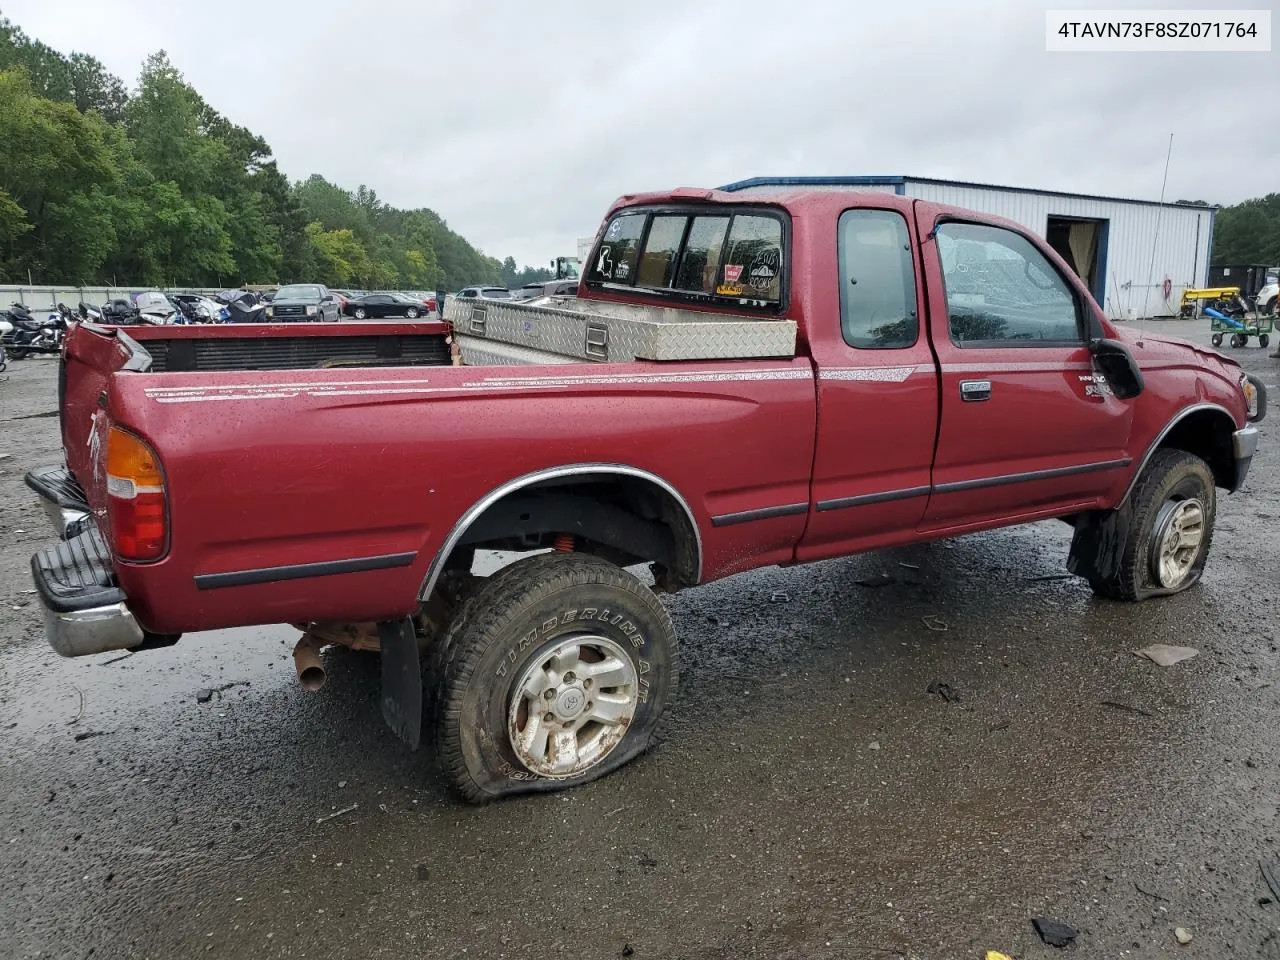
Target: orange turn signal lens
<point>128,458</point>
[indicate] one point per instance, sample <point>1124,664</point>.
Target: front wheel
<point>1264,340</point>
<point>554,673</point>
<point>1167,532</point>
<point>1217,339</point>
<point>1239,340</point>
<point>411,313</point>
<point>360,313</point>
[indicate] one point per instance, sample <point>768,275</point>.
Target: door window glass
<point>1001,290</point>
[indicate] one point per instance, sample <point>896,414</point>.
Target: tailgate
<point>92,355</point>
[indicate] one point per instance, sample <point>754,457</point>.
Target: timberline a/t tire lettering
<point>633,633</point>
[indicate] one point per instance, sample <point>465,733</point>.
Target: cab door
<point>1026,426</point>
<point>877,387</point>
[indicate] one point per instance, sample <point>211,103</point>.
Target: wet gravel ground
<point>811,798</point>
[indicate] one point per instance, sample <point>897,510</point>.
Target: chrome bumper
<point>62,518</point>
<point>78,633</point>
<point>1244,443</point>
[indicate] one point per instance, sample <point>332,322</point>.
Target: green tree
<point>56,167</point>
<point>1248,232</point>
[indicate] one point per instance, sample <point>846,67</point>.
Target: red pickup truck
<point>949,374</point>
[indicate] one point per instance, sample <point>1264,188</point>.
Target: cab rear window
<point>705,254</point>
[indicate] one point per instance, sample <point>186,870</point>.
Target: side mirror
<point>1116,363</point>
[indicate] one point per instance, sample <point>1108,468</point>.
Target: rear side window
<point>620,249</point>
<point>737,257</point>
<point>660,249</point>
<point>877,281</point>
<point>701,256</point>
<point>753,265</point>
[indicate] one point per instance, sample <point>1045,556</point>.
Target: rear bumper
<point>79,633</point>
<point>60,495</point>
<point>84,610</point>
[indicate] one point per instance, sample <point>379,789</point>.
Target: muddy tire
<point>554,673</point>
<point>1171,514</point>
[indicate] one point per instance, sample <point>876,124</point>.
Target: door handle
<point>972,391</point>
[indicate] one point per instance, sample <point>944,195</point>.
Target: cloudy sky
<point>520,121</point>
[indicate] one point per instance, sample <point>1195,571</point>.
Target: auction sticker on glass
<point>1158,31</point>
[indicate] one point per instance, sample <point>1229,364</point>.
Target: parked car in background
<point>384,305</point>
<point>303,302</point>
<point>546,288</point>
<point>487,293</point>
<point>428,300</point>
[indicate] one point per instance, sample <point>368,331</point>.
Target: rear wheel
<point>554,673</point>
<point>360,313</point>
<point>1239,340</point>
<point>1264,340</point>
<point>1270,308</point>
<point>1170,527</point>
<point>1217,339</point>
<point>412,313</point>
<point>18,353</point>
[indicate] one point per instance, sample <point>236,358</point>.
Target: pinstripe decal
<point>367,388</point>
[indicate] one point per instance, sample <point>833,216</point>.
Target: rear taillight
<point>136,507</point>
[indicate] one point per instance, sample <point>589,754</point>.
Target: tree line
<point>1248,232</point>
<point>100,184</point>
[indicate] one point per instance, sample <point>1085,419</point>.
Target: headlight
<point>1255,396</point>
<point>1250,395</point>
<point>311,311</point>
<point>270,313</point>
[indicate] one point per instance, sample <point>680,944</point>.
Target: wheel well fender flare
<point>1223,417</point>
<point>582,470</point>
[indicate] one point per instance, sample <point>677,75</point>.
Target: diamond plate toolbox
<point>616,332</point>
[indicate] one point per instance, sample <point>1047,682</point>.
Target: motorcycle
<point>29,335</point>
<point>6,328</point>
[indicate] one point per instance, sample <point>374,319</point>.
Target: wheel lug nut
<point>549,694</point>
<point>549,718</point>
<point>569,677</point>
<point>586,684</point>
<point>590,705</point>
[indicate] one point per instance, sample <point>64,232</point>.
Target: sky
<point>519,122</point>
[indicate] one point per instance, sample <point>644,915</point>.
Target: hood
<point>1158,348</point>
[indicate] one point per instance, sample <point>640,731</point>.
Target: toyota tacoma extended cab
<point>925,372</point>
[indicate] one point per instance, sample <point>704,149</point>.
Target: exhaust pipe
<point>306,659</point>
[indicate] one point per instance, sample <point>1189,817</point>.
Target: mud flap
<point>401,680</point>
<point>1097,548</point>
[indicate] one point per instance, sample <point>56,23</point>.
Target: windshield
<point>299,291</point>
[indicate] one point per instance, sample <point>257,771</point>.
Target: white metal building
<point>1108,240</point>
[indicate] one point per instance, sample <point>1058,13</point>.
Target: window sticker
<point>764,269</point>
